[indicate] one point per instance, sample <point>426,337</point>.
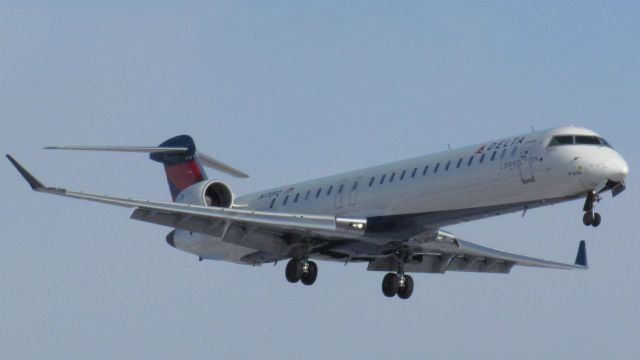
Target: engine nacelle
<point>209,192</point>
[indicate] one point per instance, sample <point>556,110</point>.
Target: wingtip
<point>581,257</point>
<point>34,183</point>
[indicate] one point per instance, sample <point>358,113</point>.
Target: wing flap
<point>440,263</point>
<point>198,224</point>
<point>433,257</point>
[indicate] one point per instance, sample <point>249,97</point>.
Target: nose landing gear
<point>590,218</point>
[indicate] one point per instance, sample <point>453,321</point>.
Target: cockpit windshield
<point>560,140</point>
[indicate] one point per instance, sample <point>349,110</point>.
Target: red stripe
<point>183,175</point>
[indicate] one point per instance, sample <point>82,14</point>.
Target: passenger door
<point>353,192</point>
<point>340,193</point>
<point>526,161</point>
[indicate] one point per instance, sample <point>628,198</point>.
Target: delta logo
<point>500,144</point>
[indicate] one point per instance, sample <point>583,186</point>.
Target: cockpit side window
<point>605,142</point>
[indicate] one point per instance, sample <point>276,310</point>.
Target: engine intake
<point>218,194</point>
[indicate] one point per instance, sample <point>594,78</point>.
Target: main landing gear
<point>397,284</point>
<point>590,218</point>
<point>301,270</point>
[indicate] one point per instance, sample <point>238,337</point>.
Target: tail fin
<point>183,169</point>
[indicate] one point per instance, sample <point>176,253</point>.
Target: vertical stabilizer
<point>183,169</point>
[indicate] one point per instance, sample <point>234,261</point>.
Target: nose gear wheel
<point>590,218</point>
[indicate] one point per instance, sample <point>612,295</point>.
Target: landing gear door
<point>526,161</point>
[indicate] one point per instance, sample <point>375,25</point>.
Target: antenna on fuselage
<point>449,145</point>
<point>533,129</point>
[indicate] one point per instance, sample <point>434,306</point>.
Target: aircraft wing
<point>199,218</point>
<point>431,252</point>
<point>445,252</point>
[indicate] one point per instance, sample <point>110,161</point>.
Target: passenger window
<point>402,175</point>
<point>481,159</point>
<point>459,162</point>
<point>286,198</point>
<point>306,197</point>
<point>382,179</point>
<point>504,152</point>
<point>413,174</point>
<point>493,156</point>
<point>371,181</point>
<point>340,189</point>
<point>355,186</point>
<point>318,193</point>
<point>393,175</point>
<point>273,202</point>
<point>513,152</point>
<point>470,161</point>
<point>446,168</point>
<point>435,170</point>
<point>296,198</point>
<point>426,168</point>
<point>329,191</point>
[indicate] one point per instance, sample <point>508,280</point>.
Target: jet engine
<point>209,192</point>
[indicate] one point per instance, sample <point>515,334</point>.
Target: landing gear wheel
<point>309,276</point>
<point>390,285</point>
<point>406,289</point>
<point>590,218</point>
<point>293,272</point>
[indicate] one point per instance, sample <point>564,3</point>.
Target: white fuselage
<point>436,190</point>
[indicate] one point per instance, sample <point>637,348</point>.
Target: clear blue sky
<point>289,91</point>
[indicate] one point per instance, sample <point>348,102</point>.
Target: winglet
<point>581,258</point>
<point>33,182</point>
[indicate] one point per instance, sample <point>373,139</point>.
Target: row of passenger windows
<point>447,166</point>
<point>318,193</point>
<point>401,177</point>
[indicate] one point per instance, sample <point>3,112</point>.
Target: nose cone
<point>617,169</point>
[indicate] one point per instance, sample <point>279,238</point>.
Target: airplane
<point>389,216</point>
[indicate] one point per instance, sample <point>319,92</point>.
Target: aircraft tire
<point>390,285</point>
<point>406,291</point>
<point>597,219</point>
<point>588,218</point>
<point>293,272</point>
<point>311,275</point>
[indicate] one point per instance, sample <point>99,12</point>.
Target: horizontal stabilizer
<point>205,159</point>
<point>210,162</point>
<point>134,149</point>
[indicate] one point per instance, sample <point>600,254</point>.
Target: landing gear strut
<point>397,284</point>
<point>301,270</point>
<point>590,218</point>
